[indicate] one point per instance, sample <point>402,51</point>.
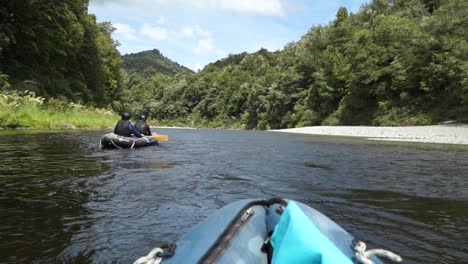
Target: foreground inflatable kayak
<point>266,231</point>
<point>111,140</point>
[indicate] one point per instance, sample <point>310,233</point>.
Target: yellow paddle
<point>159,137</point>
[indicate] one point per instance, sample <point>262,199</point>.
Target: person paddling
<point>142,126</point>
<point>125,128</point>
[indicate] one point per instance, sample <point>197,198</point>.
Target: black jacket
<point>143,127</point>
<point>122,128</point>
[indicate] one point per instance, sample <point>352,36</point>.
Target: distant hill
<point>151,61</point>
<point>394,63</point>
<point>231,59</point>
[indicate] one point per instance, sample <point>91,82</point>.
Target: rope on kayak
<point>151,258</point>
<point>133,144</point>
<point>364,256</point>
<point>112,141</point>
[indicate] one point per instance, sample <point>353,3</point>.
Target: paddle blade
<point>159,137</point>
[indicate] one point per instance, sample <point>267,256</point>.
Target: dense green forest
<point>150,63</point>
<point>395,62</point>
<point>56,49</point>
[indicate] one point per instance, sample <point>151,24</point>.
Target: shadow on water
<point>317,166</point>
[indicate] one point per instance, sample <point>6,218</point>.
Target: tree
<point>59,46</point>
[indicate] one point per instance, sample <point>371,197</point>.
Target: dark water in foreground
<point>63,200</point>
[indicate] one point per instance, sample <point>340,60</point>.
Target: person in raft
<point>125,128</point>
<point>142,126</point>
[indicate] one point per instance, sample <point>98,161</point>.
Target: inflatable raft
<point>266,231</point>
<point>111,140</point>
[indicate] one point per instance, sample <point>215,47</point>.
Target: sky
<point>197,32</point>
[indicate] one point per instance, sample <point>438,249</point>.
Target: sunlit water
<point>64,200</point>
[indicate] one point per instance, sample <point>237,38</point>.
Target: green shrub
<point>28,110</point>
<point>335,118</point>
<point>399,116</point>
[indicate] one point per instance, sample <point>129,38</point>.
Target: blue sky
<point>197,32</point>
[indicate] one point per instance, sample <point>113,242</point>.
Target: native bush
<point>28,110</point>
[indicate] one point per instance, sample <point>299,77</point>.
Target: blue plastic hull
<point>224,238</point>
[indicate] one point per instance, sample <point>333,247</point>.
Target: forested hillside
<point>56,49</point>
<point>151,62</point>
<point>393,63</point>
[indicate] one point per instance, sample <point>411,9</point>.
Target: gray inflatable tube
<point>112,140</point>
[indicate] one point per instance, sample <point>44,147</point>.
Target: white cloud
<point>197,66</point>
<point>194,31</point>
<point>162,20</point>
<point>206,46</point>
<point>187,32</point>
<point>125,31</point>
<point>154,32</point>
<point>260,7</point>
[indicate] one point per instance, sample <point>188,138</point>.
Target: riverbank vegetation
<point>56,49</point>
<point>394,62</point>
<point>29,111</point>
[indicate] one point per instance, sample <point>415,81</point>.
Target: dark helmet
<point>143,117</point>
<point>126,116</point>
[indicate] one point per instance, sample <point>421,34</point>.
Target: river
<point>64,200</point>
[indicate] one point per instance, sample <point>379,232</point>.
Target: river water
<point>63,200</point>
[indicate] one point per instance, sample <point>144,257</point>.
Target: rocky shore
<point>445,134</point>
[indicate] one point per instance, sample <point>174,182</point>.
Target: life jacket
<point>143,127</point>
<point>122,129</point>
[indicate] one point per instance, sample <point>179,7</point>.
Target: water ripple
<point>63,200</point>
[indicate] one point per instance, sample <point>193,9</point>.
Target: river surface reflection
<point>64,200</point>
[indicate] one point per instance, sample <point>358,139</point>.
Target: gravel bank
<point>173,127</point>
<point>447,134</point>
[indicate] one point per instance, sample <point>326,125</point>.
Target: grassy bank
<point>25,110</point>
